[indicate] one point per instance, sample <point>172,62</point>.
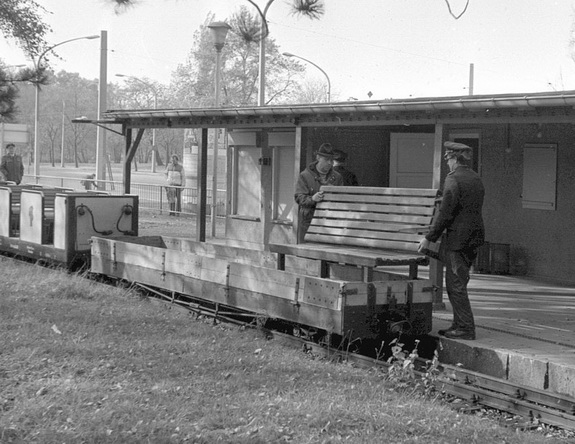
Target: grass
<point>85,363</point>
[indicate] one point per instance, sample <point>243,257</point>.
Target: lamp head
<point>219,33</point>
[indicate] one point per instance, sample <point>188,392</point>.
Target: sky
<point>389,48</point>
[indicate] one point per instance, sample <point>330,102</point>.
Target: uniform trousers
<point>457,265</point>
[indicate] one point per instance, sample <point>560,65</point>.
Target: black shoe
<point>460,334</point>
<point>442,332</point>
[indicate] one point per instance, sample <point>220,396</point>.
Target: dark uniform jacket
<point>12,168</point>
<point>308,184</point>
<point>460,211</point>
<point>349,178</point>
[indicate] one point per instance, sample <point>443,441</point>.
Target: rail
<point>535,406</point>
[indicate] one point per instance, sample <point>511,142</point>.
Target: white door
<point>411,160</point>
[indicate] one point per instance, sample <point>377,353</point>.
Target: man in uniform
<point>460,219</point>
<point>12,167</point>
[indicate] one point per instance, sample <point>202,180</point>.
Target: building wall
<point>542,241</point>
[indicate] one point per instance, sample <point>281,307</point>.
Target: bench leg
<point>281,262</point>
<point>413,269</point>
<point>324,269</point>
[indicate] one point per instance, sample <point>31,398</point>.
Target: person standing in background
<point>89,182</point>
<point>12,167</point>
<point>176,181</point>
<point>339,159</point>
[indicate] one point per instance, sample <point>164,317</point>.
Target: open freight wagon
<point>249,280</point>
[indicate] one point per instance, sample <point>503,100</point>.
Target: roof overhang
<point>555,106</point>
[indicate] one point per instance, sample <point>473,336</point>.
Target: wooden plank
<point>377,199</point>
<point>383,217</point>
<point>426,210</point>
<point>264,280</point>
<point>214,270</point>
<point>343,272</point>
<point>421,291</point>
<point>383,290</point>
<point>363,242</point>
<point>350,254</point>
<point>381,190</point>
<point>342,235</point>
<point>368,225</point>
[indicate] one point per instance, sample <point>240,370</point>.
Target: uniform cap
<point>339,155</point>
<point>325,150</point>
<point>457,149</point>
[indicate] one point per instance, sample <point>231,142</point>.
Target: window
<point>248,186</point>
<point>283,158</point>
<point>539,176</point>
<point>245,167</point>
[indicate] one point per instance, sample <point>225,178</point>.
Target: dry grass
<point>86,363</point>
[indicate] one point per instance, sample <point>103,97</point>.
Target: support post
<point>202,185</point>
<point>435,266</point>
<point>102,106</point>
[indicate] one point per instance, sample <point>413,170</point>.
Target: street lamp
<point>155,92</point>
<point>288,54</point>
<point>37,66</point>
<point>219,33</point>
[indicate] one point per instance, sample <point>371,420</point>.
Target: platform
<point>525,332</point>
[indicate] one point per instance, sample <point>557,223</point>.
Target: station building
<point>524,150</point>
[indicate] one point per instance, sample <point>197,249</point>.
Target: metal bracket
<point>296,293</point>
<point>227,289</point>
<point>114,259</point>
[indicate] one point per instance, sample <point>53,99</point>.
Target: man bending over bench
<point>307,193</point>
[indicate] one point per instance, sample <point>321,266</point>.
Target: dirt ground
<point>152,223</point>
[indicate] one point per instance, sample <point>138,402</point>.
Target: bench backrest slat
<point>392,209</point>
<point>372,217</point>
<point>383,218</point>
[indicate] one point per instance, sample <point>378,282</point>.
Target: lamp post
<point>37,66</point>
<point>219,33</point>
<point>155,92</point>
<point>289,54</point>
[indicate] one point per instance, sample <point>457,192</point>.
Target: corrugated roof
<point>427,104</point>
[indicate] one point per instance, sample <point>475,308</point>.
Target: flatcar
<point>56,224</point>
<point>333,291</point>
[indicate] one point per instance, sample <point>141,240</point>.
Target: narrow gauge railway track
<point>535,406</point>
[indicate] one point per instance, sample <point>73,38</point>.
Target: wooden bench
<point>366,227</point>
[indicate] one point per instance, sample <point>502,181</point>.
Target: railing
<point>151,197</point>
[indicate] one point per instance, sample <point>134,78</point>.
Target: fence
<point>151,197</point>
